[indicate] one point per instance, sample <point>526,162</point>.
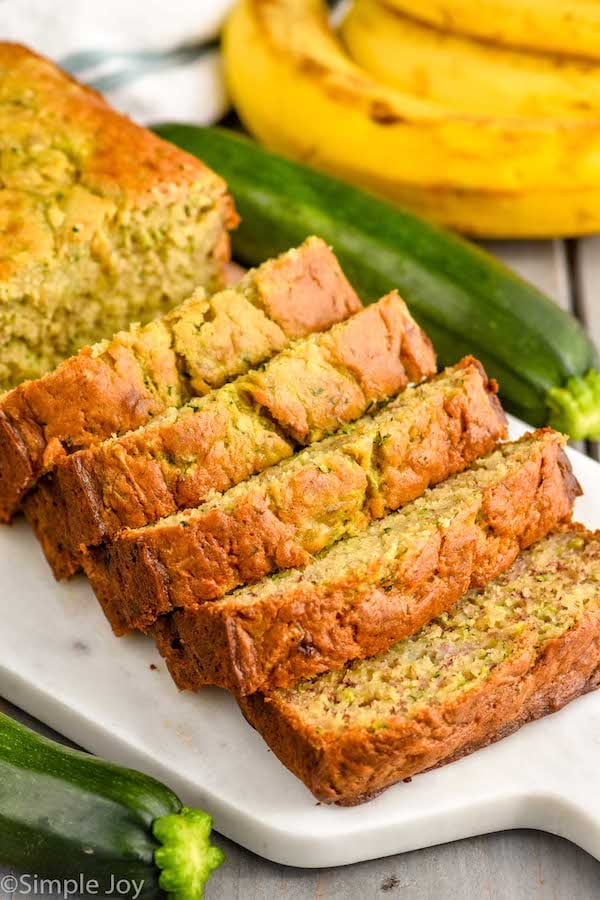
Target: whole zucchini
<point>466,300</point>
<point>65,814</point>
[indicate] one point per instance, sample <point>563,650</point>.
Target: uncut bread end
<point>103,222</point>
<point>121,384</point>
<point>311,389</point>
<point>368,591</point>
<point>519,649</point>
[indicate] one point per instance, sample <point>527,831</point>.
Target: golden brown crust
<point>357,764</point>
<point>217,550</point>
<point>97,492</point>
<point>310,628</point>
<point>255,538</point>
<point>160,556</point>
<point>85,399</point>
<point>306,293</point>
<point>90,397</point>
<point>382,351</point>
<point>115,140</point>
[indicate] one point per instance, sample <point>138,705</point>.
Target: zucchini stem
<point>186,858</point>
<point>575,408</point>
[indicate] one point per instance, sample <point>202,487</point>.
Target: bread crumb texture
<point>369,591</point>
<point>218,440</point>
<point>334,488</point>
<point>373,557</point>
<point>545,593</point>
<point>101,222</point>
<point>120,384</point>
<point>335,377</point>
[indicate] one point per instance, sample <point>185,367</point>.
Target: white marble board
<point>61,663</point>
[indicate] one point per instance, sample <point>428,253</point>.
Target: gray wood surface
<point>510,866</point>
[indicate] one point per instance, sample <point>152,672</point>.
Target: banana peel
<point>494,214</point>
<point>297,91</point>
<point>465,74</point>
<point>553,26</point>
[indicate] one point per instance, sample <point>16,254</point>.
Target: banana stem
<point>575,408</point>
<point>187,858</point>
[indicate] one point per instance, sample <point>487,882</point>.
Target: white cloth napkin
<point>147,57</point>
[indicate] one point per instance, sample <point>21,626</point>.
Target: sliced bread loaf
<point>326,492</point>
<point>368,591</point>
<point>120,384</point>
<point>520,648</point>
<point>316,386</point>
<point>102,221</point>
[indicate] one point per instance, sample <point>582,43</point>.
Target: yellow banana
<point>296,90</point>
<point>568,27</point>
<point>487,214</point>
<point>465,74</point>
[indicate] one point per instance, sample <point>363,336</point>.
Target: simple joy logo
<point>70,887</point>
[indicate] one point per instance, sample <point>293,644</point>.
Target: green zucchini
<point>65,814</point>
<point>466,300</point>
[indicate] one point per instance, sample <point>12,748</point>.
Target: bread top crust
<point>115,154</point>
<point>64,149</point>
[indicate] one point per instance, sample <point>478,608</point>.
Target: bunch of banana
<point>535,172</point>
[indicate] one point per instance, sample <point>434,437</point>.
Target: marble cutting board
<point>61,663</point>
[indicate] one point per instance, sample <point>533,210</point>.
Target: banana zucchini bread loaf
<point>316,386</point>
<point>328,491</point>
<point>102,222</point>
<point>118,385</point>
<point>368,591</point>
<point>521,648</point>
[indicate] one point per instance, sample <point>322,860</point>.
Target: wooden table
<point>510,866</point>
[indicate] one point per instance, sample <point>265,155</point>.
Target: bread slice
<point>328,491</point>
<point>318,385</point>
<point>119,385</point>
<point>102,221</point>
<point>519,649</point>
<point>373,589</point>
